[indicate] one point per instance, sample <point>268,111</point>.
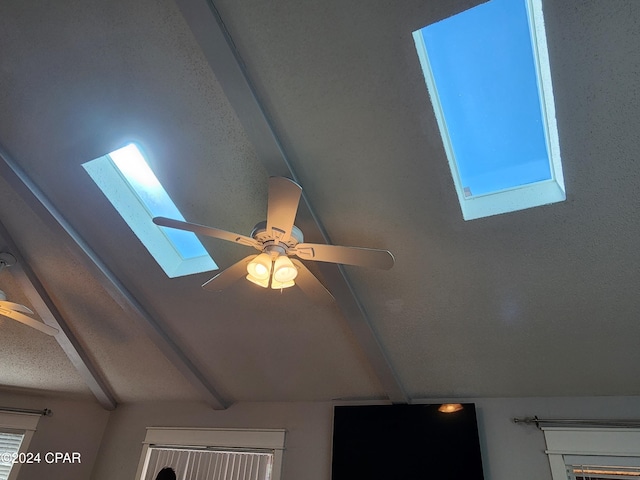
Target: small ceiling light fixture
<point>450,407</point>
<point>260,271</point>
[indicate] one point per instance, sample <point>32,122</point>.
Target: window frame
<point>564,444</point>
<point>224,438</point>
<point>25,423</point>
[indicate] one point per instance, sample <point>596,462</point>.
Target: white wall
<point>509,450</point>
<point>110,442</point>
<point>308,439</point>
<point>517,451</point>
<point>76,425</point>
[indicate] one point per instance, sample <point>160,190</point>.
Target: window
<point>212,454</point>
<point>488,75</point>
<point>9,447</point>
<point>133,189</point>
<point>216,464</point>
<point>590,467</point>
<point>16,431</point>
<point>593,453</point>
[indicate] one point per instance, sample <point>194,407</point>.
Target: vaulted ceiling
<point>536,302</point>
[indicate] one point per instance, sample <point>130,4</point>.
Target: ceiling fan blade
<point>362,257</point>
<point>15,306</point>
<point>310,285</point>
<point>284,196</point>
<point>228,276</point>
<point>208,231</point>
<point>43,327</point>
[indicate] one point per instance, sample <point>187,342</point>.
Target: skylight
<point>488,75</point>
<point>133,189</point>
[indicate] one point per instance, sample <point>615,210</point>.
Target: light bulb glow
<point>261,270</point>
<point>260,267</point>
<point>284,270</point>
<point>450,407</point>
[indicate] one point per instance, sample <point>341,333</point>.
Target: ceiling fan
<point>15,311</point>
<point>277,239</point>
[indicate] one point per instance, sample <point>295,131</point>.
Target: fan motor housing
<point>260,234</point>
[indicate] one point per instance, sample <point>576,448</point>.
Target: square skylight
<point>133,189</point>
<point>488,75</point>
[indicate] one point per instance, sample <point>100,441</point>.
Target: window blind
<point>592,472</point>
<point>206,464</point>
<point>9,445</point>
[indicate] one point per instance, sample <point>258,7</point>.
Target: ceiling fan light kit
<point>280,271</point>
<point>15,311</point>
<point>277,239</point>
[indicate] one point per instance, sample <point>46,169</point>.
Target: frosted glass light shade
<point>277,285</point>
<point>284,270</point>
<point>264,283</point>
<point>259,270</point>
<point>260,267</point>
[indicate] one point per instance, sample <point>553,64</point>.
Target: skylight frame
<point>122,195</point>
<point>524,196</point>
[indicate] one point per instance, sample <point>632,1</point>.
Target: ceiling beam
<point>49,313</point>
<point>226,63</point>
<point>36,199</point>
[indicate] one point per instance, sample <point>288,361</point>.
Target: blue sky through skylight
<point>153,196</point>
<point>483,67</point>
<point>133,189</point>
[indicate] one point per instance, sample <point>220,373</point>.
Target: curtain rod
<point>557,422</point>
<point>44,412</point>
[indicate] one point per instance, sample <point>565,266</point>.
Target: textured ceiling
<point>537,302</point>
